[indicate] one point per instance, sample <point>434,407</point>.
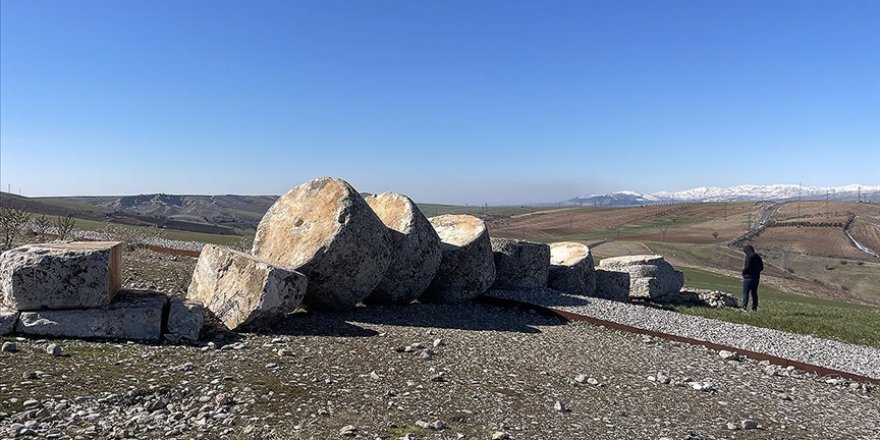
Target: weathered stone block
<point>571,269</point>
<point>60,275</point>
<point>8,318</point>
<point>415,249</point>
<point>242,290</point>
<point>520,264</point>
<point>325,230</point>
<point>467,267</point>
<point>651,277</point>
<point>133,315</point>
<point>185,319</point>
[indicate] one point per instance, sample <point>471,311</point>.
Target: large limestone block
<point>60,275</point>
<point>520,264</point>
<point>571,268</point>
<point>8,318</point>
<point>325,230</point>
<point>467,268</point>
<point>242,290</point>
<point>651,277</point>
<point>185,319</point>
<point>415,249</point>
<point>133,315</point>
<point>613,285</point>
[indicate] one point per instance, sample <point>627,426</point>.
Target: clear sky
<point>447,101</point>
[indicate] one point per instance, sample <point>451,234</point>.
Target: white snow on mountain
<point>735,193</point>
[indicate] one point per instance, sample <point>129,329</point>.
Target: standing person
<point>752,268</point>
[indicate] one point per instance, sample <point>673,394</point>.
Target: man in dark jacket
<point>752,268</point>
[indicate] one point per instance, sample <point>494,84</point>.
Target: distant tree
<point>715,235</point>
<point>64,227</point>
<point>12,222</point>
<point>42,224</point>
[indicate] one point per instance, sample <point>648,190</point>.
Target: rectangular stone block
<point>60,275</point>
<point>242,290</point>
<point>612,285</point>
<point>7,321</point>
<point>185,319</point>
<point>133,315</point>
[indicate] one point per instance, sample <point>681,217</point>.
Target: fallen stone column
<point>651,277</point>
<point>415,249</point>
<point>613,285</point>
<point>467,267</point>
<point>60,275</point>
<point>520,264</point>
<point>242,290</point>
<point>325,230</point>
<point>133,315</point>
<point>571,269</point>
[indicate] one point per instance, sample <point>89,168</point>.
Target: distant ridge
<point>738,193</point>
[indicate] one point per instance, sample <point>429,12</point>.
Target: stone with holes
<point>325,230</point>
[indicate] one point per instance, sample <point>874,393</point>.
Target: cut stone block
<point>133,315</point>
<point>185,319</point>
<point>467,267</point>
<point>415,249</point>
<point>242,290</point>
<point>651,277</point>
<point>325,230</point>
<point>8,318</point>
<point>571,269</point>
<point>520,264</point>
<point>61,275</point>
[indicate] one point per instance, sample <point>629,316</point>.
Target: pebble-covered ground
<point>473,371</point>
<point>857,359</point>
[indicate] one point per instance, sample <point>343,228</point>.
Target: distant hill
<point>739,193</point>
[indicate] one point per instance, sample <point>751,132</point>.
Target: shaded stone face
<point>185,319</point>
<point>325,230</point>
<point>242,290</point>
<point>60,275</point>
<point>467,267</point>
<point>650,276</point>
<point>613,285</point>
<point>133,315</point>
<point>7,321</point>
<point>571,269</point>
<point>415,249</point>
<point>520,264</point>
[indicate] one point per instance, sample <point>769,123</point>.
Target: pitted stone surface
<point>571,269</point>
<point>613,285</point>
<point>133,315</point>
<point>185,319</point>
<point>8,318</point>
<point>467,268</point>
<point>520,264</point>
<point>60,275</point>
<point>415,249</point>
<point>325,230</point>
<point>242,290</point>
<point>651,277</point>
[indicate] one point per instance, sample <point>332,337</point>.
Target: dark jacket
<point>753,266</point>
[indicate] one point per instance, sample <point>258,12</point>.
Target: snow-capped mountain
<point>733,194</point>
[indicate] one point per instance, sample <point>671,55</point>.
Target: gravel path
<point>472,371</point>
<point>835,355</point>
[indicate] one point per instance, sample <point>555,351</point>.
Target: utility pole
<point>799,199</point>
<point>860,195</point>
<point>827,199</point>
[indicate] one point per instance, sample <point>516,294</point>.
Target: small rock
<point>438,342</point>
<point>749,424</point>
<point>580,378</point>
<point>732,426</point>
<point>348,431</point>
<point>500,435</point>
<point>9,347</point>
<point>592,381</point>
<point>54,350</point>
<point>728,355</point>
<point>559,406</point>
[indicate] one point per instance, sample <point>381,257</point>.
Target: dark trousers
<point>750,286</point>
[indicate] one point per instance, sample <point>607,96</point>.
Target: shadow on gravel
<point>475,316</point>
<point>544,297</point>
<point>319,324</point>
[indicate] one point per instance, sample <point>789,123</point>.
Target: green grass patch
<point>173,234</point>
<point>633,229</point>
<point>789,312</point>
<point>69,204</point>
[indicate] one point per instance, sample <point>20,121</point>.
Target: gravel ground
<point>836,355</point>
<point>474,370</point>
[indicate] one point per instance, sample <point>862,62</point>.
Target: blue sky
<point>447,101</point>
